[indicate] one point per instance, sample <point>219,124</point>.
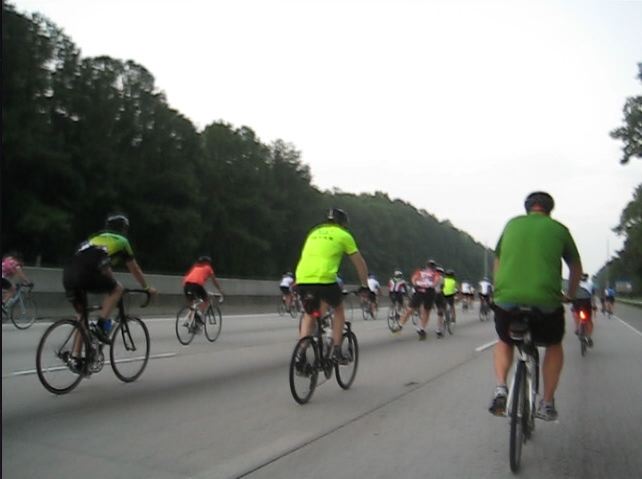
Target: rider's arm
<point>217,284</point>
<point>137,273</point>
<point>361,267</point>
<point>21,274</point>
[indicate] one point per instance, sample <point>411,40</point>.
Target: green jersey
<point>322,253</point>
<point>116,246</point>
<point>530,251</point>
<point>450,286</point>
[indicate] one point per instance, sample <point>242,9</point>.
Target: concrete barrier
<point>241,296</point>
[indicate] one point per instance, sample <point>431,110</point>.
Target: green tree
<point>631,132</point>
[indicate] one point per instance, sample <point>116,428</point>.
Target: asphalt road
<point>416,409</point>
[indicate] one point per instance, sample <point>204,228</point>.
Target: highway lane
<point>417,409</point>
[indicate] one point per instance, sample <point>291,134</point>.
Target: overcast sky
<point>458,107</point>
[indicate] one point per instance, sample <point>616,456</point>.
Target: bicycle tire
<point>23,312</point>
<point>393,320</point>
<point>582,336</point>
<point>280,307</point>
<point>345,373</point>
<point>185,328</point>
<point>134,350</point>
<point>213,323</point>
<point>303,381</point>
<point>517,417</point>
<point>448,320</point>
<point>52,357</point>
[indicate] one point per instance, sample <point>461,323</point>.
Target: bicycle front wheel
<point>23,312</point>
<point>56,371</point>
<point>185,325</point>
<point>393,320</point>
<point>213,323</point>
<point>303,369</point>
<point>517,417</point>
<point>129,350</point>
<point>346,373</point>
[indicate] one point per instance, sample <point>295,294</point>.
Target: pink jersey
<point>9,267</point>
<point>424,279</point>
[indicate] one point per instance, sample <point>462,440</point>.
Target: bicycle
<point>190,322</point>
<point>294,308</point>
<point>21,307</point>
<point>366,309</point>
<point>584,315</point>
<point>449,324</point>
<point>313,355</point>
<point>484,310</point>
<point>60,372</point>
<point>524,389</point>
<point>394,315</point>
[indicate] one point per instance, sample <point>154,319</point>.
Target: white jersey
<point>485,288</point>
<point>286,281</point>
<point>373,285</point>
<point>465,288</point>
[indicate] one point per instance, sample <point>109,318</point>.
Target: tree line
<point>86,136</point>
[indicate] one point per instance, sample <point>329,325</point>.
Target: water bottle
<point>107,324</point>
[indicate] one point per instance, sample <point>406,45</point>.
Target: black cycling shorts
<point>396,297</point>
<point>450,300</point>
<point>425,298</point>
<point>84,274</point>
<point>6,284</point>
<point>196,290</point>
<point>312,295</point>
<point>546,330</point>
<point>285,289</point>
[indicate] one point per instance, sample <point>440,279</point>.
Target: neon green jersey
<point>116,246</point>
<point>322,253</point>
<point>530,253</point>
<point>450,286</point>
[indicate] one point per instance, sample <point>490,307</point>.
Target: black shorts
<point>546,330</point>
<point>396,297</point>
<point>6,284</point>
<point>195,290</point>
<point>85,274</point>
<point>440,301</point>
<point>450,300</point>
<point>373,297</point>
<point>425,298</point>
<point>312,295</point>
<point>285,289</point>
<point>610,299</point>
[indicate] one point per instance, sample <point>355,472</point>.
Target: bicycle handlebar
<point>216,295</point>
<point>146,292</point>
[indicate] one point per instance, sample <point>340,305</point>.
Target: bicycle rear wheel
<point>517,417</point>
<point>23,312</point>
<point>393,320</point>
<point>448,320</point>
<point>129,350</point>
<point>185,325</point>
<point>213,323</point>
<point>280,307</point>
<point>346,373</point>
<point>303,369</point>
<point>583,341</point>
<point>54,365</point>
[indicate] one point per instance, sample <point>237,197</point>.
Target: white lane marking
<point>28,372</point>
<point>484,347</point>
<point>628,325</point>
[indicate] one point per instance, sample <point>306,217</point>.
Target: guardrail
<point>632,302</point>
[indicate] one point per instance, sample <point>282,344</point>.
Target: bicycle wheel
<point>23,312</point>
<point>53,356</point>
<point>280,307</point>
<point>346,373</point>
<point>583,341</point>
<point>517,417</point>
<point>129,350</point>
<point>448,321</point>
<point>213,323</point>
<point>303,369</point>
<point>415,317</point>
<point>185,325</point>
<point>393,320</point>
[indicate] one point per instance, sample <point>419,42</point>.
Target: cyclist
<point>440,301</point>
<point>397,289</point>
<point>195,279</point>
<point>609,299</point>
<point>449,292</point>
<point>317,270</point>
<point>466,294</point>
<point>12,266</point>
<point>485,292</point>
<point>585,301</point>
<point>90,270</point>
<point>528,273</point>
<point>423,281</point>
<point>287,281</point>
<point>375,289</point>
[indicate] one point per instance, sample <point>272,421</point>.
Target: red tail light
<point>583,315</point>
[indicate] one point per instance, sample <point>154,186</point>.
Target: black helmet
<point>204,259</point>
<point>431,263</point>
<point>338,216</point>
<point>450,272</point>
<point>117,222</point>
<point>540,198</point>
